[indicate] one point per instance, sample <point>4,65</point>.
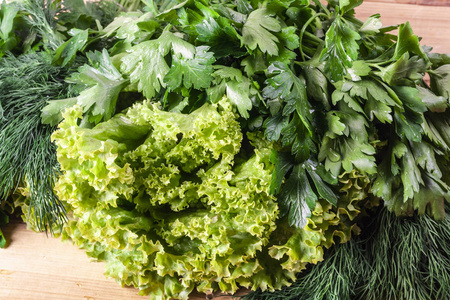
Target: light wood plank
<point>38,267</point>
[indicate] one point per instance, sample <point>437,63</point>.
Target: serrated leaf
<point>231,82</point>
<point>254,63</point>
<point>409,123</point>
<point>296,135</point>
<point>359,69</point>
<point>257,31</point>
<point>283,164</point>
<point>424,155</point>
<point>352,103</point>
<point>238,94</point>
<point>284,84</point>
<point>341,49</point>
<point>408,42</point>
<point>146,63</point>
<point>436,127</point>
<point>317,85</point>
<point>433,103</point>
<point>378,109</point>
<point>334,125</point>
<point>289,37</point>
<point>217,32</point>
<point>105,83</point>
<point>191,71</point>
<point>440,81</point>
<point>102,82</point>
<point>322,188</point>
<point>297,199</point>
<point>132,27</point>
<point>274,125</point>
<point>404,71</point>
<point>68,50</point>
<point>372,25</point>
<point>431,197</point>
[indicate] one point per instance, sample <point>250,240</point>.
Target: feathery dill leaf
<point>42,18</point>
<point>27,156</point>
<point>394,258</point>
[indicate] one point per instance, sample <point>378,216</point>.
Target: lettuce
<point>174,202</point>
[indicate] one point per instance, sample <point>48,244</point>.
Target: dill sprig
<point>42,18</point>
<point>27,156</point>
<point>394,259</point>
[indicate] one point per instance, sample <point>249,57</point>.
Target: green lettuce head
<point>174,202</point>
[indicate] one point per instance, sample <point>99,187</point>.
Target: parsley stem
<point>316,15</point>
<point>313,38</point>
<point>321,6</point>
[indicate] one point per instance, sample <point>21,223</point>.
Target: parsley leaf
<point>346,143</point>
<point>68,50</point>
<point>104,83</point>
<point>191,71</point>
<point>404,71</point>
<point>341,49</point>
<point>147,66</point>
<point>231,82</point>
<point>257,31</point>
<point>440,81</point>
<point>297,198</point>
<point>284,84</point>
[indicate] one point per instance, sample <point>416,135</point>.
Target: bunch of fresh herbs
<point>339,101</point>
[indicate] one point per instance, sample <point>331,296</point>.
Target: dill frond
<point>27,155</point>
<point>394,259</point>
<point>42,17</point>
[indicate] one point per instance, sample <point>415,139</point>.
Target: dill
<point>394,259</point>
<point>27,156</point>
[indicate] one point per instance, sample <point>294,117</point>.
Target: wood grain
<point>38,267</point>
<point>418,2</point>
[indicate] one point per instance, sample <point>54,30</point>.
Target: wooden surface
<point>38,267</point>
<point>418,2</point>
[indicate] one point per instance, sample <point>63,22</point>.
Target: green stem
<point>322,7</point>
<point>313,38</point>
<point>304,30</point>
<point>309,51</point>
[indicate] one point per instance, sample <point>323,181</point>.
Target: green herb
<point>27,156</point>
<point>370,266</point>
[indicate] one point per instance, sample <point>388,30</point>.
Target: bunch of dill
<point>27,156</point>
<point>395,258</point>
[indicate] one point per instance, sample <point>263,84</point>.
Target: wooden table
<point>36,267</point>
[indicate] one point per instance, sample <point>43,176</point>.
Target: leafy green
<point>27,156</point>
<point>104,83</point>
<point>147,67</point>
<point>341,49</point>
<point>8,40</point>
<point>178,193</point>
<point>440,81</point>
<point>191,71</point>
<point>68,50</point>
<point>258,31</point>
